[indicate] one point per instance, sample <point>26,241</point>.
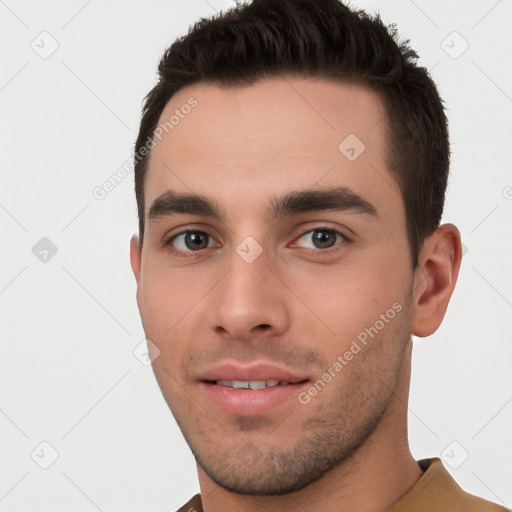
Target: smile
<point>252,384</point>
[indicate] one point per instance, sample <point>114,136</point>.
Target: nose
<point>248,301</point>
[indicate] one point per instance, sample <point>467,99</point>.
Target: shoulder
<point>193,505</point>
<point>437,491</point>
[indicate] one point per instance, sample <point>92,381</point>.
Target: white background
<point>68,327</point>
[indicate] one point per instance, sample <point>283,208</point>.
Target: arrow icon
<point>454,455</point>
<point>146,352</point>
<point>44,455</point>
<point>454,45</point>
<point>249,249</point>
<point>45,45</point>
<point>44,250</point>
<point>351,147</point>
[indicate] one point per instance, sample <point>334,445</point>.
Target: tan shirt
<point>435,491</point>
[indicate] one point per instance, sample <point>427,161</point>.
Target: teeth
<point>253,384</point>
<point>257,384</point>
<point>240,384</point>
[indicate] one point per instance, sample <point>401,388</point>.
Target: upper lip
<point>250,372</point>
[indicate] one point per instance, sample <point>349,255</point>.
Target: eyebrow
<point>295,202</point>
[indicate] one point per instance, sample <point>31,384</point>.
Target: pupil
<point>195,240</point>
<point>324,238</point>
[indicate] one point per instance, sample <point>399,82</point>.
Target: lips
<point>250,390</point>
<point>255,372</point>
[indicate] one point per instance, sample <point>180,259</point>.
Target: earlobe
<point>135,257</point>
<point>435,278</point>
<point>135,261</point>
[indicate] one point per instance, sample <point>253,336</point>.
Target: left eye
<point>321,238</point>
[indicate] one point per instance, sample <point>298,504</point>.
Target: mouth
<point>254,384</point>
<point>250,389</point>
<point>264,390</point>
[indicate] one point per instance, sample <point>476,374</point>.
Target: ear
<point>135,262</point>
<point>435,278</point>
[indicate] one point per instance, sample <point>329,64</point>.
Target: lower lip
<point>250,402</point>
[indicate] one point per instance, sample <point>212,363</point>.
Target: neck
<point>375,476</point>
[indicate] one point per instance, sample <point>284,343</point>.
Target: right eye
<point>190,241</point>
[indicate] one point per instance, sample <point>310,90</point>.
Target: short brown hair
<point>324,39</point>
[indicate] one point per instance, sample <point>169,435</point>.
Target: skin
<point>347,448</point>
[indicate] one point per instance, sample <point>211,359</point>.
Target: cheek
<point>343,301</point>
<point>166,297</point>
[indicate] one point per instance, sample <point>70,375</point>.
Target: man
<point>291,168</point>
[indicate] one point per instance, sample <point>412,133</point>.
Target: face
<point>278,295</point>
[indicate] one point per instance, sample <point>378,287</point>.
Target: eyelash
<point>329,250</point>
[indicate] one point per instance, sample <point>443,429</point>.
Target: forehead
<point>242,144</point>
